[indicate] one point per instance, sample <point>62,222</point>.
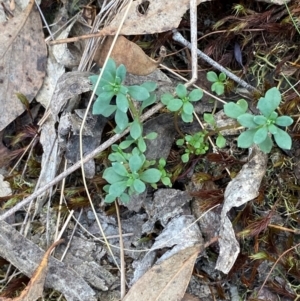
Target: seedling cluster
<point>130,171</point>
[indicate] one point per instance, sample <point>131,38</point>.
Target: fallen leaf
<point>35,287</point>
<point>134,58</point>
<point>167,280</point>
<point>22,61</point>
<point>242,189</point>
<point>159,16</point>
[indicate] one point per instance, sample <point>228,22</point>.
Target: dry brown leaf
<point>134,58</point>
<point>167,280</point>
<point>22,61</point>
<point>242,189</point>
<point>35,287</point>
<point>161,15</point>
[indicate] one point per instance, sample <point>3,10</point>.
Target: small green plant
<point>261,127</point>
<point>219,82</point>
<point>193,145</point>
<point>209,118</point>
<point>182,102</point>
<point>128,174</point>
<point>111,85</point>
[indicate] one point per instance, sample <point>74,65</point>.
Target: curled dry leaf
<point>167,280</point>
<point>134,58</point>
<point>242,189</point>
<point>159,16</point>
<point>22,62</point>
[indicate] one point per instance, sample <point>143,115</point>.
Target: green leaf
<point>218,88</point>
<point>121,119</point>
<point>175,104</point>
<point>166,181</point>
<point>284,121</point>
<point>116,157</point>
<point>142,144</point>
<point>110,67</point>
<point>272,129</point>
<point>151,136</point>
<point>122,102</point>
<point>209,118</point>
<point>124,198</point>
<point>166,98</point>
<point>126,143</point>
<point>111,176</point>
<point>283,139</point>
<point>136,129</point>
<point>221,141</point>
<point>151,175</point>
<point>260,135</point>
<point>233,110</point>
<point>138,92</point>
<point>180,142</point>
<point>195,95</point>
<point>150,86</point>
<point>185,158</point>
<point>120,169</point>
<point>222,77</point>
<point>109,198</point>
<point>139,186</point>
<point>245,139</point>
<point>270,102</point>
<point>149,101</point>
<point>260,120</point>
<point>118,188</point>
<point>212,76</point>
<point>181,91</point>
<point>188,108</point>
<point>246,120</point>
<point>186,117</point>
<point>135,163</point>
<point>243,104</point>
<point>121,72</point>
<point>266,145</point>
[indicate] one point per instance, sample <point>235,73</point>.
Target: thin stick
<point>180,39</point>
<point>193,26</point>
<point>122,280</point>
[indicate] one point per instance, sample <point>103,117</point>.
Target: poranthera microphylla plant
<point>130,170</point>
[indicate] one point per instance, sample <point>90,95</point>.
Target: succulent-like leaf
<point>284,121</point>
<point>166,98</point>
<point>118,188</point>
<point>151,175</point>
<point>150,86</point>
<point>121,119</point>
<point>233,110</point>
<point>260,135</point>
<point>188,108</point>
<point>111,176</point>
<point>266,145</point>
<point>270,102</point>
<point>138,92</point>
<point>122,102</point>
<point>245,139</point>
<point>181,91</point>
<point>283,139</point>
<point>139,186</point>
<point>175,104</point>
<point>121,72</point>
<point>260,119</point>
<point>247,120</point>
<point>195,95</point>
<point>136,129</point>
<point>212,76</point>
<point>135,163</point>
<point>120,169</point>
